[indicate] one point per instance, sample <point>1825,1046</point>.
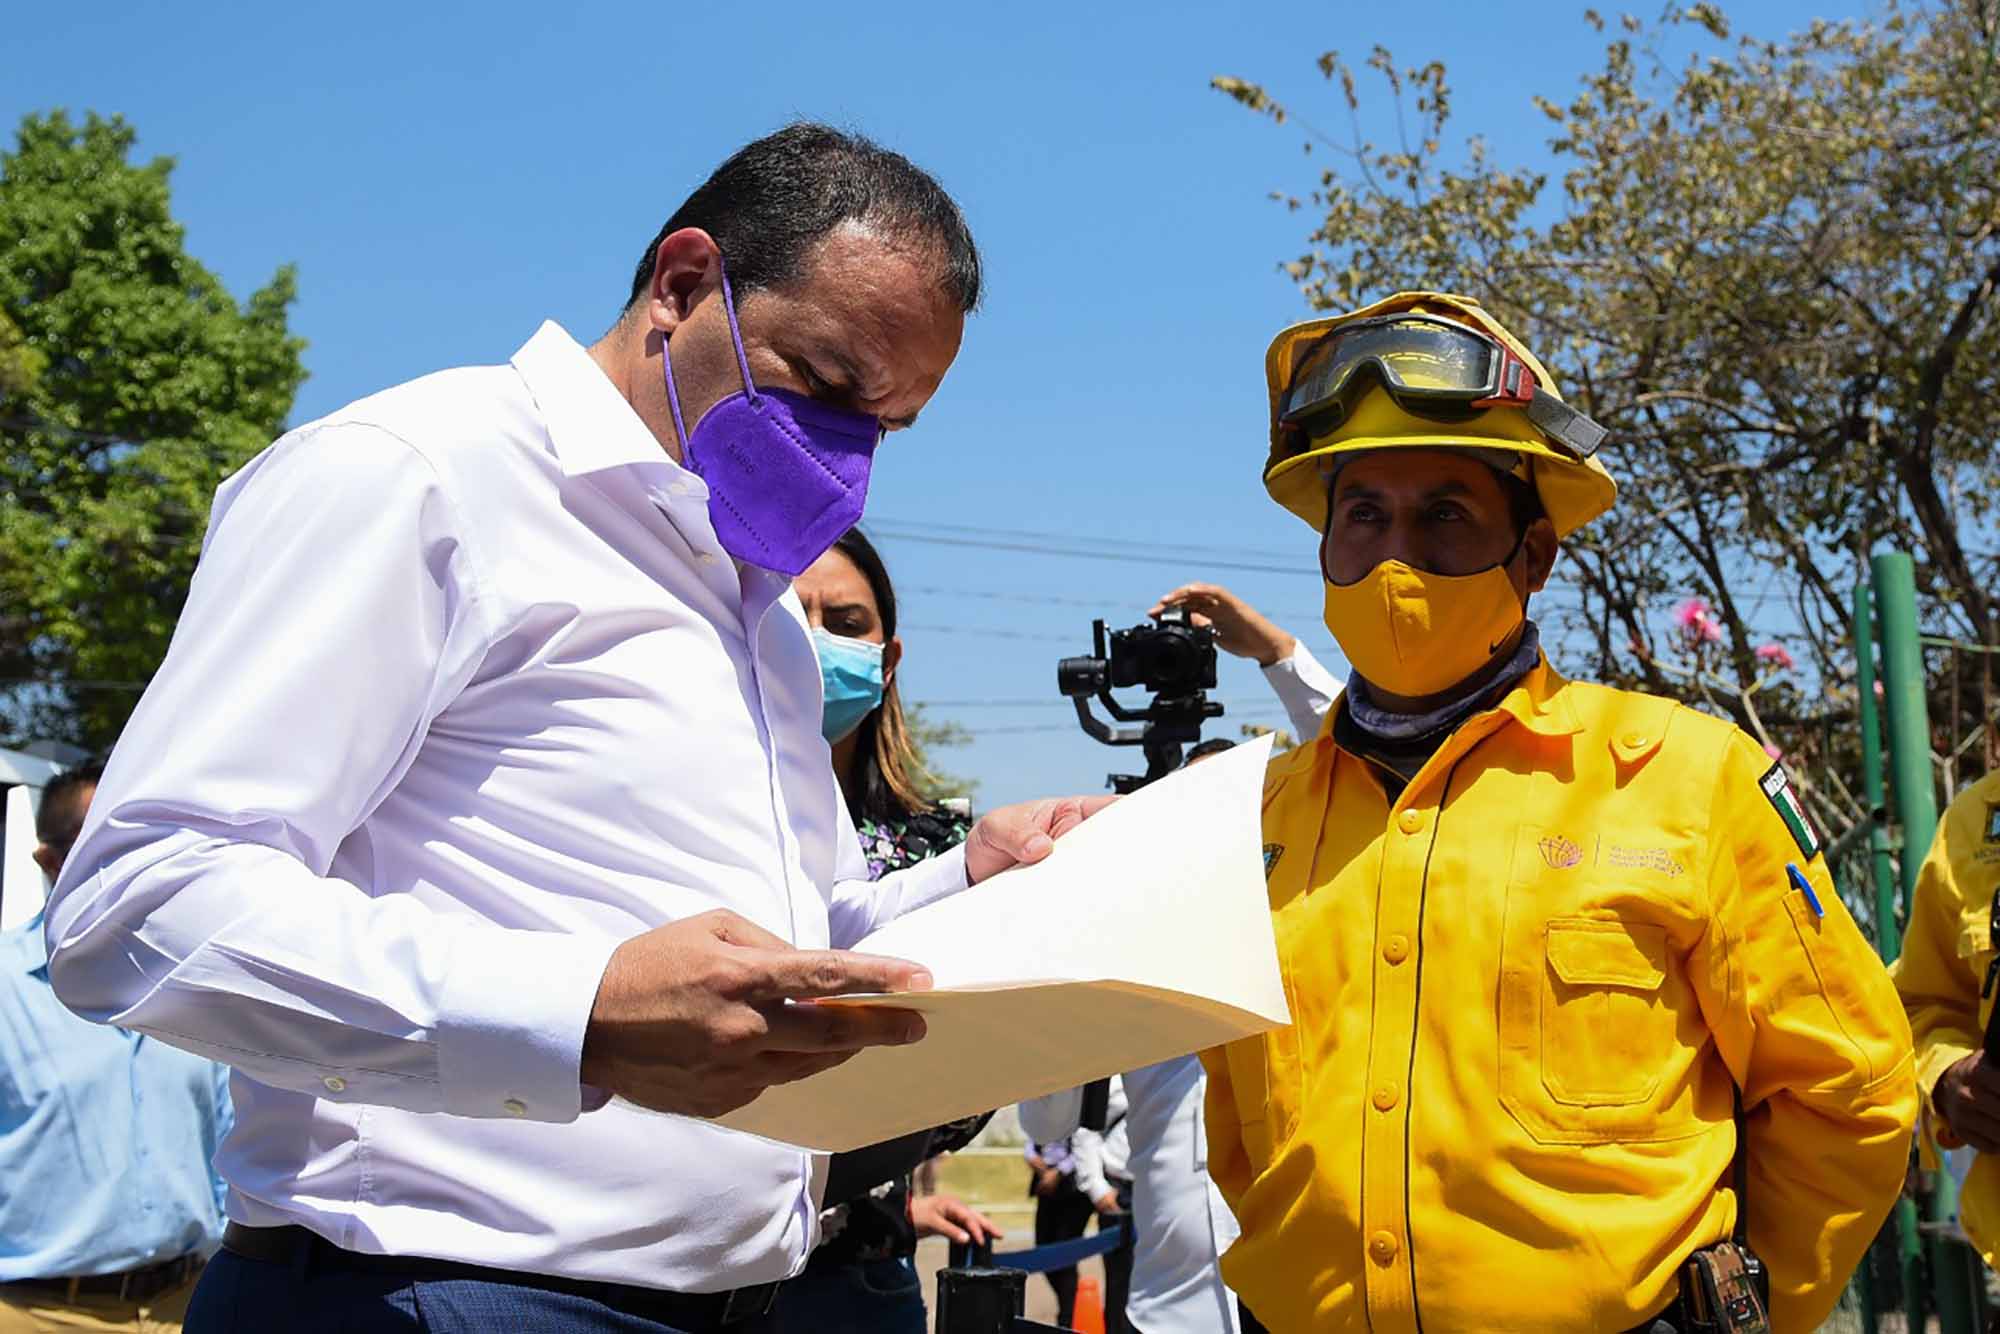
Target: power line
<point>1122,543</point>
<point>1035,549</point>
<point>992,632</point>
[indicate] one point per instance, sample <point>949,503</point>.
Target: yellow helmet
<point>1573,490</point>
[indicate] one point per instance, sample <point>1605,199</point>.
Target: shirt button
<point>1410,821</point>
<point>1396,948</point>
<point>708,558</point>
<point>1383,1247</point>
<point>680,488</point>
<point>334,1083</point>
<point>515,1107</point>
<point>1385,1097</point>
<point>1635,740</point>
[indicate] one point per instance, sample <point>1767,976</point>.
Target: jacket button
<point>1396,948</point>
<point>334,1083</point>
<point>1385,1097</point>
<point>1636,740</point>
<point>1410,821</point>
<point>1383,1247</point>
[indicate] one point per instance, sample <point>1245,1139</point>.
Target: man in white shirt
<point>481,805</point>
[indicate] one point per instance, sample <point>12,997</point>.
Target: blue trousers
<point>239,1296</point>
<point>866,1297</point>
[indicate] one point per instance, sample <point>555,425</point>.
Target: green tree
<point>926,739</point>
<point>1772,268</point>
<point>131,384</point>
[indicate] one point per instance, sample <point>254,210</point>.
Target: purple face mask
<point>786,475</point>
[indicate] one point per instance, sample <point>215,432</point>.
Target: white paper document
<point>1145,935</point>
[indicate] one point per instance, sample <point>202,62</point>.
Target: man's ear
<point>892,658</point>
<point>49,860</point>
<point>1542,548</point>
<point>687,266</point>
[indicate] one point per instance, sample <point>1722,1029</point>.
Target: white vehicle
<point>22,777</point>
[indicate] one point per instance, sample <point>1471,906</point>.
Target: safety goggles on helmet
<point>1434,368</point>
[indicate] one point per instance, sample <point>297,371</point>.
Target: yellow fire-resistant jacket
<point>1946,953</point>
<point>1520,993</point>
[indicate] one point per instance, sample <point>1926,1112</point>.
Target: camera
<point>1172,658</point>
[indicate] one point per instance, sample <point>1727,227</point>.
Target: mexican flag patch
<point>1778,791</point>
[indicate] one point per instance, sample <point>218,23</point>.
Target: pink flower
<point>1773,751</point>
<point>1696,623</point>
<point>1774,653</point>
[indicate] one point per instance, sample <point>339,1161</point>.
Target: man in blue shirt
<point>107,1203</point>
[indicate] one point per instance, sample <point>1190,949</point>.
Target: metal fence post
<point>1908,717</point>
<point>1888,921</point>
<point>1888,938</point>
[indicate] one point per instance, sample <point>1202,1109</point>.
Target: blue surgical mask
<point>850,671</point>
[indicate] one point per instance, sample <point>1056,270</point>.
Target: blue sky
<point>446,176</point>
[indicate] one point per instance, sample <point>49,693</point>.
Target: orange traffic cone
<point>1089,1318</point>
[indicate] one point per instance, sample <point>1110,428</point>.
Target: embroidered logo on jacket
<point>1559,852</point>
<point>1272,851</point>
<point>1642,859</point>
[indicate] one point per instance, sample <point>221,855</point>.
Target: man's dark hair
<point>774,199</point>
<point>1215,745</point>
<point>65,801</point>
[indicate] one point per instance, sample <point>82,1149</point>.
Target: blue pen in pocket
<point>1804,886</point>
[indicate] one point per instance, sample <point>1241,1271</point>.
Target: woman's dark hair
<point>775,198</point>
<point>886,766</point>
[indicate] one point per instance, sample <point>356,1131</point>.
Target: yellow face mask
<point>1414,634</point>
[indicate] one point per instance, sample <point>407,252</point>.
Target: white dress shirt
<point>1305,688</point>
<point>1183,1223</point>
<point>465,694</point>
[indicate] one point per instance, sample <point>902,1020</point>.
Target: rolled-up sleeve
<point>337,609</point>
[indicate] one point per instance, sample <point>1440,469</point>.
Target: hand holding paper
<point>1144,935</point>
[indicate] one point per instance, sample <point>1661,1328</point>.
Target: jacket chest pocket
<point>1591,1047</point>
<point>1602,1023</point>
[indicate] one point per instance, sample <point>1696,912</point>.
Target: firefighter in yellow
<point>1535,933</point>
<point>1946,975</point>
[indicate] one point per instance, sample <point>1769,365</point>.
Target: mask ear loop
<point>735,337</point>
<point>735,334</point>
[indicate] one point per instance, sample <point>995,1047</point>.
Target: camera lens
<point>1080,676</point>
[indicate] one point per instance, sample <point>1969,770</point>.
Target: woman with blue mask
<point>860,1280</point>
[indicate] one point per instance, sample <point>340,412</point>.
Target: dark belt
<point>132,1285</point>
<point>304,1248</point>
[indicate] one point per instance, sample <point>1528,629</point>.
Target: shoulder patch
<point>1777,786</point>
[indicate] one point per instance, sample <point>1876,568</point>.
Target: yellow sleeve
<point>1228,1158</point>
<point>1807,1020</point>
<point>1939,986</point>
